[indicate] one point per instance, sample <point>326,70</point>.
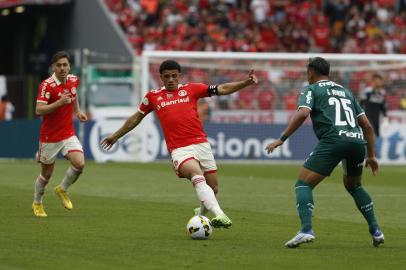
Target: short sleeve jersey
<point>177,113</point>
<point>374,103</point>
<point>57,125</point>
<point>334,111</point>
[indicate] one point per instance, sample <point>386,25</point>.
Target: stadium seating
<point>263,25</point>
<point>321,26</point>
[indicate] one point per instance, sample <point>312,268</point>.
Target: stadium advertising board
<point>141,144</point>
<point>275,116</point>
<point>229,142</point>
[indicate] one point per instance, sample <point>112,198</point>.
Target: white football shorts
<point>200,152</point>
<point>48,152</point>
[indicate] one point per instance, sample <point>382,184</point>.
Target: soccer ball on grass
<point>199,227</point>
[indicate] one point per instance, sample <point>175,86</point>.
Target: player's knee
<point>78,166</point>
<point>351,187</point>
<point>46,176</point>
<point>191,174</point>
<point>47,173</point>
<point>351,183</point>
<point>186,175</point>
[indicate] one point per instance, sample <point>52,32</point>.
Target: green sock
<point>304,204</point>
<point>365,206</point>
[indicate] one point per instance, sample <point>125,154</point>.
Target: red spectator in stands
<point>267,34</point>
<point>229,25</point>
<point>290,100</point>
<point>266,96</point>
<point>321,34</point>
<point>247,100</point>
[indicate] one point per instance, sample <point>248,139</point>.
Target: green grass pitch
<point>133,216</point>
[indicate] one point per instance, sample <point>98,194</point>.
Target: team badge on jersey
<point>73,90</point>
<point>145,101</point>
<point>47,95</point>
<point>182,93</point>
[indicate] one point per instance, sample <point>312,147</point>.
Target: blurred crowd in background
<point>320,26</point>
<point>333,26</point>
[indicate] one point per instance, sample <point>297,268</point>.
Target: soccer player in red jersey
<point>56,103</point>
<point>176,108</point>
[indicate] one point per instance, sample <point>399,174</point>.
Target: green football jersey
<point>334,111</point>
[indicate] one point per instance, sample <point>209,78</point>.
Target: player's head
<point>317,68</point>
<point>170,72</point>
<point>377,81</point>
<point>61,65</point>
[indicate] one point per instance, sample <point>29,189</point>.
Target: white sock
<point>71,175</point>
<point>206,195</point>
<point>40,184</point>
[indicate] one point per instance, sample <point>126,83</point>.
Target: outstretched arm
<point>231,87</point>
<point>129,125</point>
<point>369,135</point>
<point>295,122</point>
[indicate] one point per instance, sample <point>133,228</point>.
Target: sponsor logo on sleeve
<point>308,97</point>
<point>43,91</point>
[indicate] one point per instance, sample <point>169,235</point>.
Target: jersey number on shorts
<point>349,115</point>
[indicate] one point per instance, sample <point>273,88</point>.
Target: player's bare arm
<point>129,125</point>
<point>369,136</point>
<point>295,122</point>
<point>231,87</point>
<point>79,114</point>
<point>42,108</point>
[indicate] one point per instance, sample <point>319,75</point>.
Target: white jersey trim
<point>42,101</point>
<point>360,114</point>
<point>179,86</point>
<point>304,106</point>
<point>58,82</point>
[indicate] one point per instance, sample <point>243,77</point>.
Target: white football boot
<point>300,238</point>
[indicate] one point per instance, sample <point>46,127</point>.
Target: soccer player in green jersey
<point>343,130</point>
